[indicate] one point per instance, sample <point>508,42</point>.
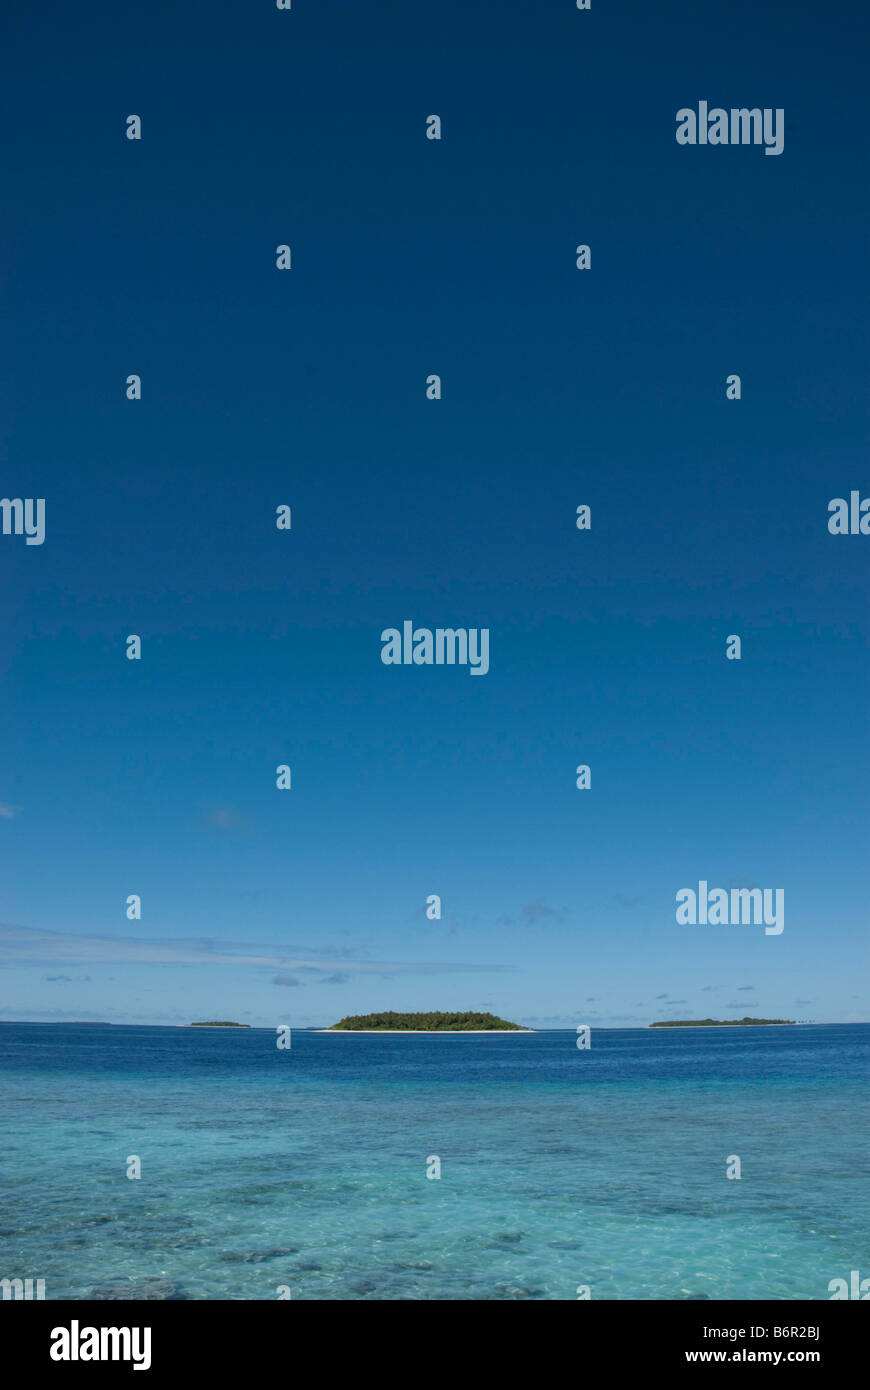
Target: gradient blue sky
<point>560,387</point>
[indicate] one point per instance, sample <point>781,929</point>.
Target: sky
<point>306,388</point>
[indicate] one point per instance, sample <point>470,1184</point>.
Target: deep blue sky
<point>307,387</point>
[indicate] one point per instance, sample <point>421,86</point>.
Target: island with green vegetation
<point>719,1022</point>
<point>219,1025</point>
<point>425,1023</point>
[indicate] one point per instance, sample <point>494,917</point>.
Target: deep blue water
<point>559,1168</point>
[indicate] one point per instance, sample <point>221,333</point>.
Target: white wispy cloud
<point>8,812</point>
<point>32,946</point>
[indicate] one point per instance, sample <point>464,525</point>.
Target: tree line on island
<point>425,1023</point>
<point>717,1022</point>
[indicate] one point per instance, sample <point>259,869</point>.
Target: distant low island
<point>425,1023</point>
<point>719,1022</point>
<point>219,1025</point>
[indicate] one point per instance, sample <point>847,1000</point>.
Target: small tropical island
<point>425,1023</point>
<point>218,1025</point>
<point>721,1022</point>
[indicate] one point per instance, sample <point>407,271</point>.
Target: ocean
<point>303,1173</point>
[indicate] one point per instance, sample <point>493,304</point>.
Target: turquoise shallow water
<point>559,1168</point>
